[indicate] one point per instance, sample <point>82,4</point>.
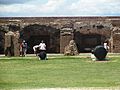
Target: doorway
<point>35,40</point>
<point>86,42</point>
<point>34,34</point>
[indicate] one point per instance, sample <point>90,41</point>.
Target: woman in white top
<point>42,46</point>
<point>106,46</point>
<point>42,55</point>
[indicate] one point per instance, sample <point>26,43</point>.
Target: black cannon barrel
<point>100,52</point>
<point>42,55</point>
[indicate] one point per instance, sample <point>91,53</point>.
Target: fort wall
<point>58,31</point>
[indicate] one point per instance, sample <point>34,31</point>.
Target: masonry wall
<point>2,40</point>
<point>66,35</point>
<point>68,26</point>
<point>116,43</point>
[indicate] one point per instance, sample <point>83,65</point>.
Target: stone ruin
<point>115,40</point>
<point>57,32</point>
<point>71,49</point>
<point>12,44</point>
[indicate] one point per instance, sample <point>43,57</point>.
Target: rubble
<point>71,49</point>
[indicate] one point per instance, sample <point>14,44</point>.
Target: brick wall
<point>85,25</point>
<point>66,35</point>
<point>116,43</point>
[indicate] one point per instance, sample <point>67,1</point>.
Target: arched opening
<point>2,42</point>
<point>2,39</point>
<point>86,42</point>
<point>33,34</point>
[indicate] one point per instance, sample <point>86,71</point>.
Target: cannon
<point>42,55</point>
<point>100,52</point>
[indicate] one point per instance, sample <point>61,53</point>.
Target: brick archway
<point>2,38</point>
<point>33,34</point>
<point>86,42</point>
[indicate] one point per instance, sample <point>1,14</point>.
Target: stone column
<point>66,35</point>
<point>8,44</point>
<point>12,44</point>
<point>115,41</point>
<point>16,43</point>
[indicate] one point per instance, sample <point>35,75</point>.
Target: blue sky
<point>43,8</point>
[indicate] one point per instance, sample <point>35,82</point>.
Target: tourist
<point>35,49</point>
<point>24,48</point>
<point>20,48</point>
<point>106,46</point>
<point>42,48</point>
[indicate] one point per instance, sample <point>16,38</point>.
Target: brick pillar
<point>115,40</point>
<point>116,43</point>
<point>8,44</point>
<point>66,35</point>
<point>16,44</point>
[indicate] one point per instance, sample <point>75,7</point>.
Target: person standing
<point>42,46</point>
<point>106,46</point>
<point>24,48</point>
<point>20,48</point>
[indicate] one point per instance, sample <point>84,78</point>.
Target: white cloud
<point>15,8</point>
<point>5,2</point>
<point>51,6</point>
<point>62,8</point>
<point>95,7</point>
<point>48,7</point>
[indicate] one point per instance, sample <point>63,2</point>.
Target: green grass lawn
<point>58,71</point>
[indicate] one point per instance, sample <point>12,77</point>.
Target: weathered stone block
<point>71,49</point>
<point>12,44</point>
